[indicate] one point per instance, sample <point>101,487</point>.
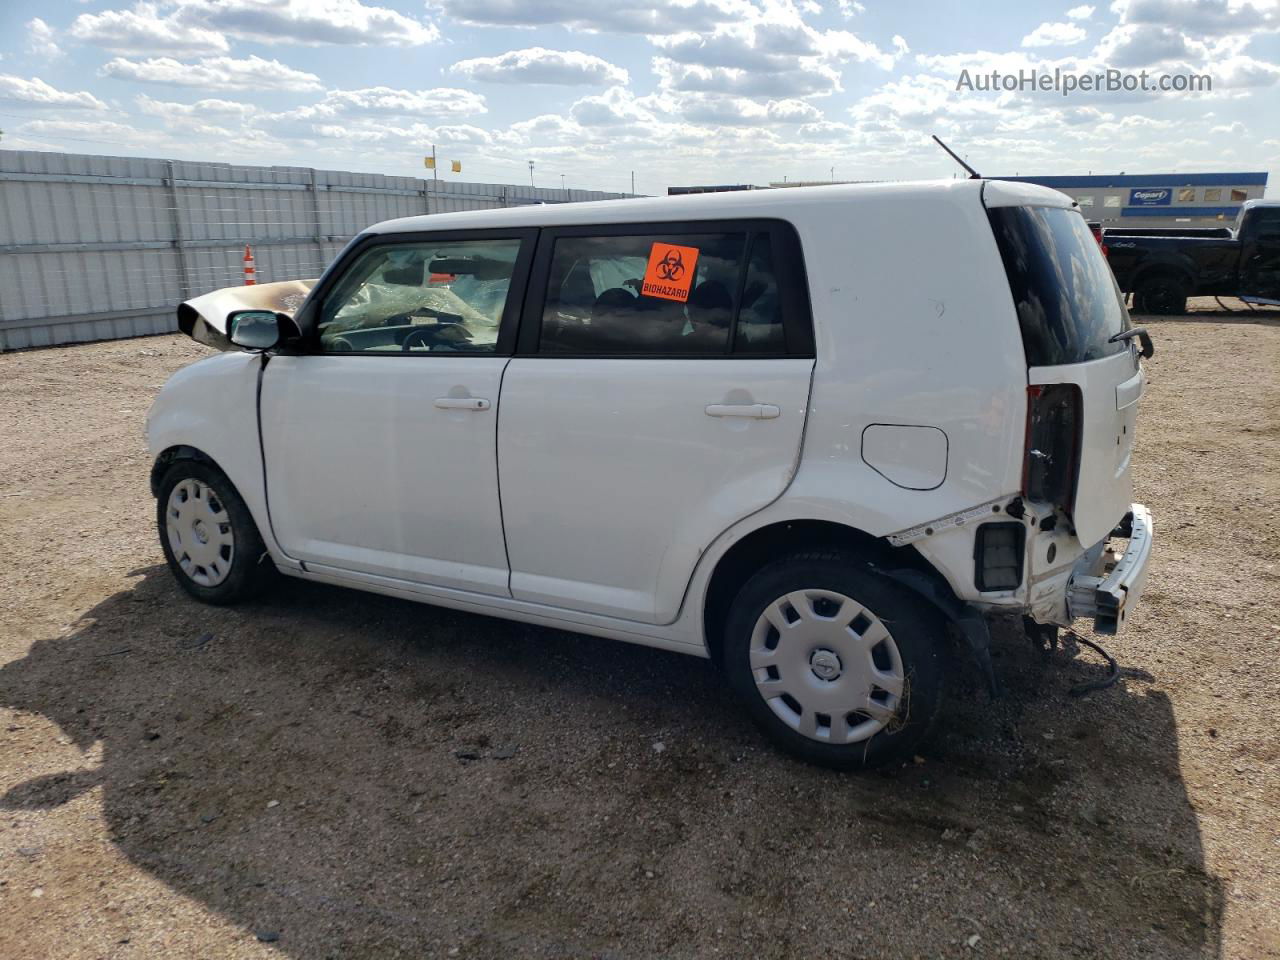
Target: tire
<point>1163,295</point>
<point>859,630</point>
<point>210,541</point>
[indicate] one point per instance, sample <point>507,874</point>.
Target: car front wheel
<point>210,541</point>
<point>837,664</point>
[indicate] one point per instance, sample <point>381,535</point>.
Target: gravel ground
<point>327,773</point>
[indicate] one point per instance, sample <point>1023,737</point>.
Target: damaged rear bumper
<point>1106,585</point>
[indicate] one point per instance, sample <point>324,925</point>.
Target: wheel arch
<point>1163,268</point>
<point>171,455</point>
<point>905,565</point>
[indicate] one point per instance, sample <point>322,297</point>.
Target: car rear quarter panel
<point>914,325</point>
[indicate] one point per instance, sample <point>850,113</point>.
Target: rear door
<point>1069,309</point>
<point>658,395</point>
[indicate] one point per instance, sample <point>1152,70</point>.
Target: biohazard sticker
<point>670,272</point>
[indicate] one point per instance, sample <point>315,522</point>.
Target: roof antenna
<point>973,174</point>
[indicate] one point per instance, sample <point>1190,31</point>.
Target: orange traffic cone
<point>249,278</point>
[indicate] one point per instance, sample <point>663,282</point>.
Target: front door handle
<point>462,403</point>
<point>749,411</point>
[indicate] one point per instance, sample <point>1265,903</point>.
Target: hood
<point>204,318</point>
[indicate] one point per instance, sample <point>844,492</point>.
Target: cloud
<point>1134,46</point>
<point>770,44</point>
<point>1054,35</point>
<point>1240,71</point>
<point>439,102</point>
<point>312,22</point>
<point>615,106</point>
<point>653,17</point>
<point>542,66</point>
<point>1080,13</point>
<point>34,92</point>
<point>793,111</point>
<point>97,131</point>
<point>849,8</point>
<point>800,80</point>
<point>209,107</point>
<point>769,51</point>
<point>1201,17</point>
<point>213,73</point>
<point>41,40</point>
<point>547,126</point>
<point>144,30</point>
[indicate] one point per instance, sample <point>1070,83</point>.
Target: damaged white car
<point>818,435</point>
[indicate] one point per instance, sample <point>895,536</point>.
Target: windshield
<point>1067,300</point>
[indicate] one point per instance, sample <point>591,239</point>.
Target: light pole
<point>531,173</point>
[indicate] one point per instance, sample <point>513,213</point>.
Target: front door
<point>658,396</point>
<point>380,441</point>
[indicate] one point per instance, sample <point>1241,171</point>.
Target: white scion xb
<point>812,434</point>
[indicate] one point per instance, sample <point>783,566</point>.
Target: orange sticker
<point>670,272</point>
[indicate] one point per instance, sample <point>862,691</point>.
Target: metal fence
<point>98,248</point>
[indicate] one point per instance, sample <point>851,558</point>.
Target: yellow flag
<point>457,166</point>
<point>429,162</point>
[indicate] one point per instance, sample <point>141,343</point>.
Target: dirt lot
<point>331,774</point>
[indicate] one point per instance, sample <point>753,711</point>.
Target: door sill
<point>504,607</point>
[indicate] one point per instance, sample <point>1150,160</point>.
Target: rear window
<point>1067,300</point>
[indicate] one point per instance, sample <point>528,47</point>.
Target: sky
<point>674,91</point>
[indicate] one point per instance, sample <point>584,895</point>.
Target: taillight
<point>1051,462</point>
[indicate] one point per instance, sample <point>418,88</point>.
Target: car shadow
<point>346,775</point>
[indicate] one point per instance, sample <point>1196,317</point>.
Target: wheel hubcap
<point>827,666</point>
<point>199,531</point>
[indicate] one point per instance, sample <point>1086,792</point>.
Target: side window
<point>760,327</point>
<point>1268,223</point>
<point>422,297</point>
<point>642,294</point>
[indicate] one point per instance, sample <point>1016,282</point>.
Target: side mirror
<point>255,329</point>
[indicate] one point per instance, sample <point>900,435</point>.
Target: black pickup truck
<point>1162,267</point>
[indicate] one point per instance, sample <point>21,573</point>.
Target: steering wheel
<point>431,336</point>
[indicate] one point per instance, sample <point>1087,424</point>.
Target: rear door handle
<point>462,403</point>
<point>749,411</point>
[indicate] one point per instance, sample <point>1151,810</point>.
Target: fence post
<point>319,227</point>
<point>184,281</point>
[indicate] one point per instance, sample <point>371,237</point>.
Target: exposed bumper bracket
<point>1107,598</point>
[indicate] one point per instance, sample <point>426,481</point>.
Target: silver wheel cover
<point>199,531</point>
<point>826,666</point>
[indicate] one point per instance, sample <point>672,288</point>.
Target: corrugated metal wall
<point>96,248</point>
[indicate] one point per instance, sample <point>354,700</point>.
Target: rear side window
<point>759,327</point>
<point>657,293</point>
<point>1067,300</point>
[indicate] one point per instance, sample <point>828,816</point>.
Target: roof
<point>1151,180</point>
<point>699,206</point>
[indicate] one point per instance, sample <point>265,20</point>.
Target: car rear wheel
<point>1162,295</point>
<point>210,541</point>
<point>838,665</point>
